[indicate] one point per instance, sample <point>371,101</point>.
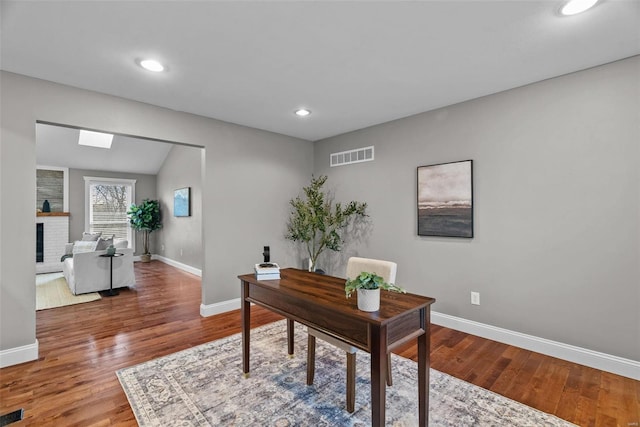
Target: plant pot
<point>369,299</point>
<point>145,257</point>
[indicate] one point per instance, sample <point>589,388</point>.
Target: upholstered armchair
<point>86,271</point>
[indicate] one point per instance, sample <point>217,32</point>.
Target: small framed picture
<point>182,202</point>
<point>445,199</point>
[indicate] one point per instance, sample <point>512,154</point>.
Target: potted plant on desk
<point>368,287</point>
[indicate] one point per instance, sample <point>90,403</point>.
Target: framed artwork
<point>182,202</point>
<point>445,199</point>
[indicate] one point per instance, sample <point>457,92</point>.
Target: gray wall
<point>557,195</point>
<point>145,189</point>
<point>180,238</point>
<point>239,164</point>
<point>556,188</point>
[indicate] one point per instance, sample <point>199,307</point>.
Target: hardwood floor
<point>73,383</point>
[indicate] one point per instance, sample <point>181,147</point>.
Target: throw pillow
<point>120,243</point>
<point>90,237</point>
<point>104,243</point>
<point>84,246</point>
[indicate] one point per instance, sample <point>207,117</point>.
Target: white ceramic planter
<point>369,299</point>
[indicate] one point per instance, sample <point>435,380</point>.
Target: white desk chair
<point>355,266</point>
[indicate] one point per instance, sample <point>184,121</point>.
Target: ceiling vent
<point>351,156</point>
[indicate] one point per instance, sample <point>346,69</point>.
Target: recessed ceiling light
<point>152,65</point>
<point>574,7</point>
<point>95,139</point>
<point>302,112</point>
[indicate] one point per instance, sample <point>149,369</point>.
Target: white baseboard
<point>17,355</point>
<point>176,264</point>
<point>602,361</point>
<point>209,309</point>
<point>219,307</point>
<point>594,359</point>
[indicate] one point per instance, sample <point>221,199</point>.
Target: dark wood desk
<point>319,301</point>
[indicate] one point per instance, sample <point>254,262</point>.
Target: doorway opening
<point>155,168</point>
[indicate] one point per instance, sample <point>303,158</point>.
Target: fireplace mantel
<point>52,214</point>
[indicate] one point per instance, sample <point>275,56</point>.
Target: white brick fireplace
<point>55,236</point>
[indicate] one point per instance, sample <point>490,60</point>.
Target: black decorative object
<point>266,255</point>
<point>46,207</point>
<point>445,199</point>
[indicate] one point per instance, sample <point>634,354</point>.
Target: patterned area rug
<point>53,291</point>
<point>204,386</point>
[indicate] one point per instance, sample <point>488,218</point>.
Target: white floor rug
<point>204,386</point>
<point>52,291</point>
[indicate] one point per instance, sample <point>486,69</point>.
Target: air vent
<point>352,156</point>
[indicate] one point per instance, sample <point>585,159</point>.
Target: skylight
<point>95,139</point>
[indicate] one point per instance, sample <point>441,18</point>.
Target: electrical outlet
<point>475,298</point>
<point>180,252</point>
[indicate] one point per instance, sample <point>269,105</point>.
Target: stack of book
<point>267,271</point>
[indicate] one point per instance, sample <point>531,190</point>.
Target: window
<point>107,201</point>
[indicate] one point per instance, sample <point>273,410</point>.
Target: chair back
<point>385,269</point>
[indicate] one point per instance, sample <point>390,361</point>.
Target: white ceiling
<point>58,146</point>
<point>354,64</point>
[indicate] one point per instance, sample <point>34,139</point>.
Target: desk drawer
<point>409,325</point>
<point>342,326</point>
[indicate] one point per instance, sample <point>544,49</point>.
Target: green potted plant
<point>145,217</point>
<point>319,223</point>
<point>368,286</point>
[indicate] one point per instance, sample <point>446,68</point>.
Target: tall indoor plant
<point>319,223</point>
<point>145,217</point>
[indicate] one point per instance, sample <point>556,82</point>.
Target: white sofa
<point>89,272</point>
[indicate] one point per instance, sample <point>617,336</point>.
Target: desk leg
<point>378,375</point>
<point>245,311</point>
<point>290,337</point>
<point>424,346</point>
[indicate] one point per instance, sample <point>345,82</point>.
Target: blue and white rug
<point>204,386</point>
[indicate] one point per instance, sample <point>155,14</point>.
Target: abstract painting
<point>445,199</point>
<point>181,202</point>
